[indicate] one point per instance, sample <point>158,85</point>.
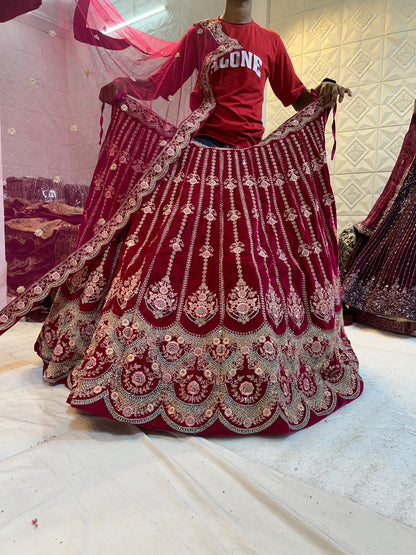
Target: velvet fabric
<point>216,307</point>
<point>203,295</point>
<point>379,276</point>
<point>9,9</point>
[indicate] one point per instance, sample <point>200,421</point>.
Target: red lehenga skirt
<point>216,307</point>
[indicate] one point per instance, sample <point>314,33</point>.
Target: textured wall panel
<point>369,46</point>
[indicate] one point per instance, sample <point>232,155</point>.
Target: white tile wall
<point>370,46</point>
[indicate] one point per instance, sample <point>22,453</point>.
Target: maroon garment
<point>217,309</point>
<point>9,9</point>
<point>37,237</point>
<point>204,294</point>
<point>390,191</point>
<point>379,276</point>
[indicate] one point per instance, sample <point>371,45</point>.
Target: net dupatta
<point>169,97</point>
<point>167,78</point>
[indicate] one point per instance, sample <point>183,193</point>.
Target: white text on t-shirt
<point>239,58</point>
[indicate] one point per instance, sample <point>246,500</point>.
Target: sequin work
<point>379,275</point>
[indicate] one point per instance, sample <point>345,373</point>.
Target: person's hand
<point>331,92</point>
<point>111,92</point>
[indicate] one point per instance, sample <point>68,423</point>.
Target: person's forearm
<point>328,89</point>
<point>304,99</point>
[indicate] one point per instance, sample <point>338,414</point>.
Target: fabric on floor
<point>73,483</point>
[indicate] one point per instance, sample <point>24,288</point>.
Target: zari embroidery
<point>201,306</point>
<point>161,299</point>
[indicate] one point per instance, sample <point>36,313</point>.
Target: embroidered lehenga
<point>379,276</point>
<point>204,295</point>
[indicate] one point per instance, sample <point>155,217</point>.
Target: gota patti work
<point>205,295</point>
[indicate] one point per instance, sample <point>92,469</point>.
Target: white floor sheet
<point>71,483</point>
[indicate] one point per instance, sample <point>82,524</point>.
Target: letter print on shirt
<point>239,58</point>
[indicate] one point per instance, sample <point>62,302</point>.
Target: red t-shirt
<point>238,81</point>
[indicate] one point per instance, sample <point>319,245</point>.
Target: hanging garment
<point>9,9</point>
<point>379,276</point>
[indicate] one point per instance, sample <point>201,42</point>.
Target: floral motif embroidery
<point>246,390</point>
<point>193,178</point>
<point>271,219</point>
<point>78,279</point>
<point>124,157</point>
<point>264,183</point>
<point>220,350</point>
<point>317,165</point>
<point>176,244</point>
<point>210,214</point>
<point>306,168</point>
<point>161,299</point>
<point>249,181</point>
<point>127,288</point>
<point>188,209</point>
<point>322,302</point>
<point>295,307</point>
<point>237,247</point>
<point>328,199</point>
<point>267,349</point>
<point>278,179</point>
<point>281,255</point>
<point>206,251</point>
<point>212,181</point>
<point>139,166</point>
<point>316,248</point>
<point>149,207</point>
<point>306,210</point>
<point>94,286</point>
<point>230,183</point>
<point>201,306</point>
<point>172,349</point>
<point>274,306</point>
<point>304,250</point>
<point>99,180</point>
<point>233,215</point>
<point>316,346</point>
<point>293,176</point>
<point>242,303</point>
<point>290,215</point>
<point>167,209</point>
